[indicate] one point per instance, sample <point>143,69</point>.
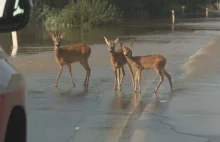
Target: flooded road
<point>100,114</point>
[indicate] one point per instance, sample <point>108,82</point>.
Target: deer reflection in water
<point>133,102</point>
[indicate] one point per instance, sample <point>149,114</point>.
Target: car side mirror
<point>14,14</point>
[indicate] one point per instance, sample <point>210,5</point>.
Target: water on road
<point>67,114</point>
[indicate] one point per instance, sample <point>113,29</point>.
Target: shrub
<point>38,14</point>
<point>85,13</point>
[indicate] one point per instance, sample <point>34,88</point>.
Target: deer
<point>140,63</point>
<point>70,54</point>
<point>118,60</point>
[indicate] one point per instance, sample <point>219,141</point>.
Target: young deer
<point>70,54</point>
<point>118,61</point>
<point>147,62</point>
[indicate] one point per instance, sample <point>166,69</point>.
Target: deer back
<point>73,53</point>
<point>149,61</point>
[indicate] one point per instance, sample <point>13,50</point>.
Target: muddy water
<point>101,114</point>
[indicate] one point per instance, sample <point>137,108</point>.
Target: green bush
<point>85,13</point>
<point>38,14</point>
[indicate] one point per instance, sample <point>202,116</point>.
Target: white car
<point>14,15</point>
<point>12,102</point>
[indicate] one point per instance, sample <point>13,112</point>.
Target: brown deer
<point>140,63</point>
<point>70,54</point>
<point>118,61</point>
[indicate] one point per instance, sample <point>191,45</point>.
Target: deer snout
<point>110,51</point>
<point>56,43</point>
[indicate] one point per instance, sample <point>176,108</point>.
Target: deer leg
<point>115,84</point>
<point>136,81</point>
<point>58,75</point>
<point>132,75</point>
<point>123,75</point>
<point>159,72</point>
<point>139,80</point>
<point>70,73</point>
<point>88,72</point>
<point>169,78</point>
<point>118,78</point>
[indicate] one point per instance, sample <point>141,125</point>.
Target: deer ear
<point>52,34</point>
<point>106,41</point>
<point>62,35</point>
<point>131,45</point>
<point>116,40</point>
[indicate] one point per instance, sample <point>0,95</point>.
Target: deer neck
<point>56,50</point>
<point>112,54</point>
<point>131,61</point>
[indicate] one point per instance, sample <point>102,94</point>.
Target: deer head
<point>111,44</point>
<point>127,50</point>
<point>57,38</point>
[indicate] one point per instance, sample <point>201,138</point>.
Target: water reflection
<point>71,92</point>
<point>119,100</point>
<point>136,102</point>
<point>173,27</point>
<point>139,109</point>
<point>36,36</point>
<point>153,104</point>
<point>14,51</point>
<point>122,101</point>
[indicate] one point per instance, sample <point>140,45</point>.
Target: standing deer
<point>118,61</point>
<point>140,63</point>
<point>70,54</point>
